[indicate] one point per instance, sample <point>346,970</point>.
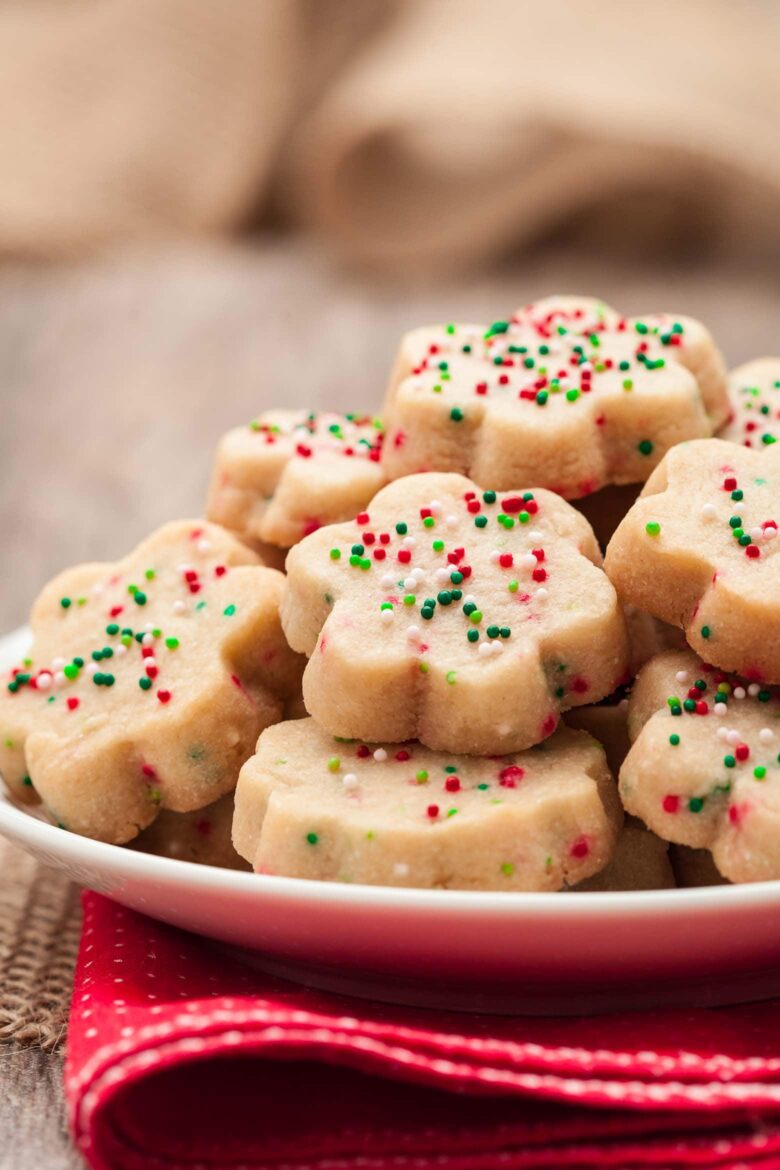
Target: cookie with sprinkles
<point>704,767</point>
<point>311,806</point>
<point>148,682</point>
<point>202,836</point>
<point>464,618</point>
<point>290,471</point>
<point>566,394</point>
<point>641,861</point>
<point>699,550</point>
<point>754,393</point>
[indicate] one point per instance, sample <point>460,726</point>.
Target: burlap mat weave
<point>39,930</point>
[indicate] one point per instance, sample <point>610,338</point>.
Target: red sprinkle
<point>72,703</point>
<point>452,784</point>
<point>433,811</point>
<point>671,804</point>
<point>164,696</point>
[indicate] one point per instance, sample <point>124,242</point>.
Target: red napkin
<point>182,1059</point>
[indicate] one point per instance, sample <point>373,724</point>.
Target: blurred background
<point>210,208</point>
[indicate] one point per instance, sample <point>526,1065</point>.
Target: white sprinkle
<point>97,589</point>
<point>409,584</point>
<point>723,733</point>
<point>720,709</point>
<point>733,737</point>
<point>413,633</point>
<point>57,663</point>
<point>386,616</point>
<point>418,574</point>
<point>452,521</point>
<point>387,581</point>
<point>541,593</point>
<point>149,626</point>
<point>756,533</point>
<point>149,662</point>
<point>179,607</point>
<point>535,535</point>
<point>350,781</point>
<point>408,542</point>
<point>442,575</point>
<point>470,600</point>
<point>495,556</point>
<point>528,561</point>
<point>739,692</point>
<point>770,532</point>
<point>120,651</point>
<point>92,668</point>
<point>766,735</point>
<point>682,677</point>
<point>435,507</point>
<point>44,680</point>
<point>183,568</point>
<point>380,755</point>
<point>485,648</point>
<point>709,512</point>
<point>59,679</point>
<point>753,690</point>
<point>400,869</point>
<point>147,640</point>
<point>203,545</point>
<point>497,647</point>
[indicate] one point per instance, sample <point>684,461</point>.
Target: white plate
<point>528,953</point>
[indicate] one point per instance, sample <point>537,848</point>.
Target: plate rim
<point>24,828</point>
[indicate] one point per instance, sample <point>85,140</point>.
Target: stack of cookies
<point>445,680</point>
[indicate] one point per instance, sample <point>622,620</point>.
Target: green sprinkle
<point>450,676</point>
<point>759,772</point>
<point>149,574</point>
<point>475,616</point>
<point>144,683</point>
<point>65,602</point>
<point>492,631</point>
<point>696,804</point>
<point>172,643</point>
<point>497,327</point>
<point>480,521</point>
<point>402,529</point>
<point>507,868</point>
<point>229,610</point>
<point>422,777</point>
<point>71,670</point>
<point>312,838</point>
<point>489,497</point>
<point>139,597</point>
<point>428,522</point>
<point>473,635</point>
<point>730,761</point>
<point>513,586</point>
<point>334,763</point>
<point>652,528</point>
<point>705,631</point>
<point>112,628</point>
<point>628,384</point>
<point>438,546</point>
<point>335,554</point>
<point>674,740</point>
<point>645,447</point>
<point>456,414</point>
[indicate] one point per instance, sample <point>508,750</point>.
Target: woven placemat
<point>39,932</point>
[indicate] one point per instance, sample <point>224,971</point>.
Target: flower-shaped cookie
<point>754,393</point>
<point>699,550</point>
<point>464,618</point>
<point>313,807</point>
<point>148,682</point>
<point>203,836</point>
<point>566,394</point>
<point>704,769</point>
<point>291,471</point>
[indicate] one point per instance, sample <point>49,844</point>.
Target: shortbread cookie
<point>704,768</point>
<point>607,722</point>
<point>291,471</point>
<point>566,394</point>
<point>640,862</point>
<point>148,682</point>
<point>464,618</point>
<point>754,394</point>
<point>694,867</point>
<point>203,836</point>
<point>310,806</point>
<point>699,550</point>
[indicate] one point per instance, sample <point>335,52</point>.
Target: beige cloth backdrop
<point>428,132</point>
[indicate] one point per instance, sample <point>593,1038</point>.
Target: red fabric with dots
<point>180,1059</point>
